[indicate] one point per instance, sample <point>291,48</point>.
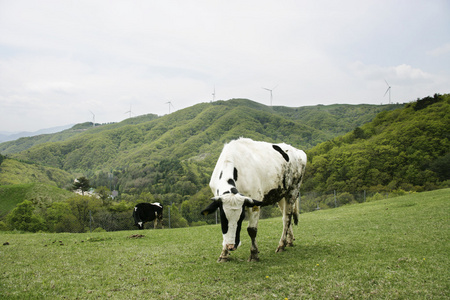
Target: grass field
<point>391,249</point>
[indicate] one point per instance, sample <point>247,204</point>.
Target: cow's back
<point>260,167</point>
<point>144,212</point>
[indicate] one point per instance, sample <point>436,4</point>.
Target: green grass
<point>390,249</point>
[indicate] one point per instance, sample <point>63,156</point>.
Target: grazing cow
<point>251,174</point>
<point>147,212</point>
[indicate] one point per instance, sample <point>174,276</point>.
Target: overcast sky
<point>62,60</point>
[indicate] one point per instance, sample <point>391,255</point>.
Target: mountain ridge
<point>141,151</point>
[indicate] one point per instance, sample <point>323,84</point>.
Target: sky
<point>64,62</point>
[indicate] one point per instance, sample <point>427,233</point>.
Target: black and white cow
<point>250,174</point>
<point>147,212</point>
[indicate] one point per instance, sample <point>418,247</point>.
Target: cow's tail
<point>296,211</point>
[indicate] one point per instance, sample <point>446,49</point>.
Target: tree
<point>176,219</point>
<point>23,218</point>
<point>82,208</point>
<point>105,195</point>
<point>57,217</point>
<point>192,207</point>
<point>441,166</point>
<point>81,183</point>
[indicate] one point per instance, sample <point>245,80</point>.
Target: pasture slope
<point>390,249</point>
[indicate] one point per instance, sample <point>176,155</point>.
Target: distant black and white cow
<point>250,174</point>
<point>147,212</point>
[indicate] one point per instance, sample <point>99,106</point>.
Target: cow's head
<point>232,213</point>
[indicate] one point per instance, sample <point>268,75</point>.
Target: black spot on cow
<point>235,174</point>
<point>231,182</point>
<point>284,154</point>
<point>220,176</point>
<point>274,196</point>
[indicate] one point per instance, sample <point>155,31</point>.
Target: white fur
<point>260,169</point>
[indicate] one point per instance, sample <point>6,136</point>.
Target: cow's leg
<point>252,230</point>
<point>290,236</point>
<point>155,223</point>
<point>224,255</point>
<point>287,235</point>
<point>295,211</point>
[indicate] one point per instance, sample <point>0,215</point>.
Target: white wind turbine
<point>170,104</point>
<point>271,95</point>
<point>129,112</point>
<point>214,94</point>
<point>93,119</point>
<point>388,90</point>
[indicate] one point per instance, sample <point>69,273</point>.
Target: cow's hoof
<point>280,249</point>
<point>222,259</point>
<point>253,258</point>
<point>290,245</point>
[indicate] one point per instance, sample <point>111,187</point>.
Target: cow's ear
<point>212,207</point>
<point>250,202</point>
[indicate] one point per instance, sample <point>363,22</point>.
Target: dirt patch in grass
<point>136,236</point>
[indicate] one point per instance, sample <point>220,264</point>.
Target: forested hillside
<point>16,172</point>
<point>337,119</point>
<point>169,159</point>
<point>28,142</point>
<point>151,154</point>
<point>41,195</point>
<point>407,149</point>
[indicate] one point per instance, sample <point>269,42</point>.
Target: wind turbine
<point>93,119</point>
<point>129,112</point>
<point>388,90</point>
<point>170,104</point>
<point>271,95</point>
<point>214,94</point>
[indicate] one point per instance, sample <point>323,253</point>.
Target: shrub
<point>99,229</point>
<point>3,226</point>
<point>199,223</point>
<point>375,197</point>
<point>23,218</point>
<point>346,198</point>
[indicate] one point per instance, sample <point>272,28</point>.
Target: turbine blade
<point>387,91</point>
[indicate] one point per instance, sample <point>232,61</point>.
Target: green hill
<point>336,119</point>
<point>194,135</point>
<point>408,148</point>
<point>16,172</point>
<point>170,159</point>
<point>38,193</point>
<point>25,143</point>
